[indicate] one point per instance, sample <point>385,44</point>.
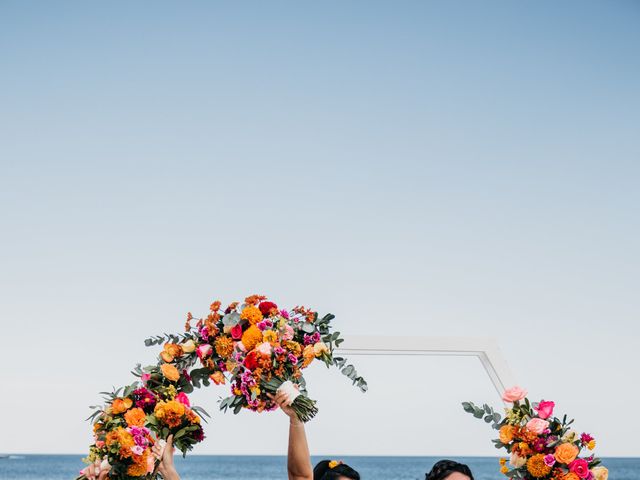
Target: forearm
<point>298,458</point>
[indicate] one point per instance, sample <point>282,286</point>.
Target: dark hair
<point>444,468</point>
<point>322,471</point>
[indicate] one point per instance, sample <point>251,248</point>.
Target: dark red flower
<point>251,362</point>
<point>267,307</point>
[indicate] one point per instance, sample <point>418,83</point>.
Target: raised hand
<point>98,470</point>
<point>163,452</point>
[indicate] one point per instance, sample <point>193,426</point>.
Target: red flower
<point>236,332</point>
<point>580,467</point>
<point>266,307</point>
<point>251,362</point>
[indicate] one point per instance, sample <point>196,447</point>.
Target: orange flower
<point>293,347</point>
<point>506,434</point>
<point>218,378</point>
<point>121,438</point>
<point>121,405</point>
<point>135,417</point>
<point>215,306</point>
<point>192,417</point>
<point>251,337</point>
<point>170,351</point>
<point>232,306</point>
<point>571,476</point>
<point>566,453</point>
<point>252,314</point>
<point>536,466</point>
<point>254,299</point>
<point>170,413</point>
<point>224,346</point>
<point>308,355</point>
<point>170,372</point>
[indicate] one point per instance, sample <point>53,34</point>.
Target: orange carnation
<point>121,405</point>
<point>218,378</point>
<point>506,434</point>
<point>170,372</point>
<point>224,346</point>
<point>135,417</point>
<point>252,314</point>
<point>170,413</point>
<point>566,453</point>
<point>536,466</point>
<point>571,476</point>
<point>251,337</point>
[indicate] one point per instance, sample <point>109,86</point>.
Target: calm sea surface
<point>208,467</point>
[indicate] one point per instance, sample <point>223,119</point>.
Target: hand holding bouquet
<point>540,445</point>
<point>257,348</point>
<point>132,420</point>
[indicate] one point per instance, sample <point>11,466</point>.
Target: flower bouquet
<point>133,418</point>
<point>540,445</point>
<point>257,348</point>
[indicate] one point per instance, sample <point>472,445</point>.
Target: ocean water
<point>210,467</point>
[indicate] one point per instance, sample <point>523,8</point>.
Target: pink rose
<point>549,460</point>
<point>204,350</point>
<point>288,333</point>
<point>514,394</point>
<point>580,467</point>
<point>545,409</point>
<point>183,399</point>
<point>236,332</point>
<point>100,443</point>
<point>145,377</point>
<point>537,425</point>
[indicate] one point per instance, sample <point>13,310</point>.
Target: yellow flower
<point>320,348</point>
<point>334,463</point>
<point>600,473</point>
<point>189,346</point>
<point>591,445</point>
<point>270,336</point>
<point>252,314</point>
<point>504,469</point>
<point>503,461</point>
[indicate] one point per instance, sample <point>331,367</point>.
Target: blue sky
<point>417,168</point>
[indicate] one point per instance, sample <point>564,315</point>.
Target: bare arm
<point>298,457</point>
<point>164,453</point>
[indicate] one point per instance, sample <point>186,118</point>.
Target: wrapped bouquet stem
<point>304,407</point>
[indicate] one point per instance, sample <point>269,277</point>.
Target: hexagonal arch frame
<point>485,349</point>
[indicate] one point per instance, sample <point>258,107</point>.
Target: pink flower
<point>204,350</point>
<point>264,348</point>
<point>537,425</point>
<point>137,450</point>
<point>514,394</point>
<point>288,333</point>
<point>545,409</point>
<point>549,460</point>
<point>99,443</point>
<point>580,467</point>
<point>585,438</point>
<point>285,314</point>
<point>145,377</point>
<point>236,332</point>
<point>183,399</point>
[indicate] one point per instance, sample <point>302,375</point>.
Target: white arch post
<point>485,349</point>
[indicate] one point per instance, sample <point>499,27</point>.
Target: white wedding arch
<point>485,349</point>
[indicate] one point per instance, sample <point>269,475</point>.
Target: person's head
<point>334,470</point>
<point>449,470</point>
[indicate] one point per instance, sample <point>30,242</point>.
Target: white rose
<point>517,461</point>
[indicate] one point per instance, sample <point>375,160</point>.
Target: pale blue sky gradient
<point>419,168</point>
